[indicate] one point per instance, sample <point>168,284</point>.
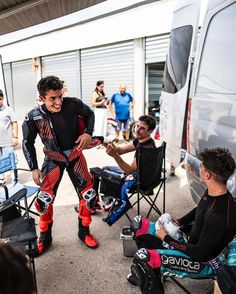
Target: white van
<point>198,102</point>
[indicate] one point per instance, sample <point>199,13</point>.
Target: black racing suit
<point>58,132</point>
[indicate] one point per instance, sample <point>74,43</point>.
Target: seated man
<point>145,127</point>
<point>213,227</point>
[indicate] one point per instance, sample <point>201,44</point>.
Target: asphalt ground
<point>72,268</point>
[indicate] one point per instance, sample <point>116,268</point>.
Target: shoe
<point>90,241</point>
<point>107,207</point>
<point>45,241</point>
<point>172,171</point>
<point>85,236</point>
<point>133,280</point>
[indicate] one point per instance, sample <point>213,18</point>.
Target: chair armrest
<point>24,169</point>
<point>12,200</point>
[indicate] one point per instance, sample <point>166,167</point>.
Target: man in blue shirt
<point>122,101</point>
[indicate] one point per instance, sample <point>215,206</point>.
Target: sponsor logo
<point>37,117</point>
<point>180,263</point>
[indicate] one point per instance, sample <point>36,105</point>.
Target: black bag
<point>226,278</point>
<point>111,184</point>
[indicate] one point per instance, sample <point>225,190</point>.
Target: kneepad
<point>90,196</point>
<point>43,201</point>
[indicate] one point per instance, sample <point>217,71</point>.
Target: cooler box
<point>129,245</point>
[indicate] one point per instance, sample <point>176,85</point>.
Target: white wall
<point>146,20</point>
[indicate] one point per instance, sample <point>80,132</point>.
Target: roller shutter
<point>111,63</point>
<point>66,67</point>
<point>156,48</point>
<point>24,87</point>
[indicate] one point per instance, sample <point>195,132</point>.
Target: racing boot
<point>85,219</point>
<point>45,240</point>
<point>85,236</point>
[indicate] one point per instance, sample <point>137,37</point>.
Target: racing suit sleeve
<point>29,134</point>
<point>211,234</point>
<point>86,112</point>
<point>188,218</point>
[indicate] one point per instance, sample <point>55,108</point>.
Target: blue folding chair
<point>8,163</point>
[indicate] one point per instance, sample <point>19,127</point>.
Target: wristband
<point>15,137</point>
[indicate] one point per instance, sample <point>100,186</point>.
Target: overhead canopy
<point>19,14</point>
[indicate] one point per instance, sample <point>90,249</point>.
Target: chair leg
<point>32,267</point>
<point>128,217</point>
<point>154,201</point>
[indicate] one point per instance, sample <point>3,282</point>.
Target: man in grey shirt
<point>8,128</point>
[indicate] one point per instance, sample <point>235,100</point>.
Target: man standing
<point>145,126</point>
<point>8,128</point>
<point>57,122</point>
<point>209,227</point>
<point>123,101</point>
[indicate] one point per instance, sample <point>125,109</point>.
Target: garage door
<point>66,67</point>
<point>24,87</point>
<point>111,63</point>
<point>156,48</point>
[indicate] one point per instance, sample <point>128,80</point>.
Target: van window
<point>177,59</point>
<point>217,65</point>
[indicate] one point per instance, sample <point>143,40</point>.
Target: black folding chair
<point>17,229</point>
<point>151,175</point>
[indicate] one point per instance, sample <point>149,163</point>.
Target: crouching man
<point>209,228</point>
<point>57,122</point>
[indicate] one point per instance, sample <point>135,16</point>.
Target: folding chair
<point>151,174</point>
<point>17,229</point>
<point>8,163</point>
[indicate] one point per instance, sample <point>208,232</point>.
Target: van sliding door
<point>176,76</point>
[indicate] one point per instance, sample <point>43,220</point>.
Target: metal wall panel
<point>24,87</point>
<point>111,63</point>
<point>8,81</point>
<point>156,48</point>
<point>65,66</point>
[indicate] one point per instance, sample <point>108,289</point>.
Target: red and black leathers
<point>58,132</point>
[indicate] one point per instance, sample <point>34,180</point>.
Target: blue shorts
<point>125,123</point>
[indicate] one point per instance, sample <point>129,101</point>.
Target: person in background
<point>58,123</point>
<point>65,89</point>
<point>16,277</point>
<point>99,102</point>
<point>123,102</point>
<point>8,128</point>
<point>98,96</point>
<point>208,229</point>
